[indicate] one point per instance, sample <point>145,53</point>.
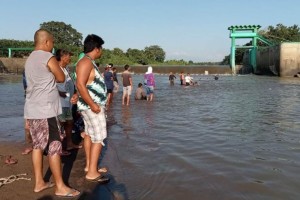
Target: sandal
<point>10,160</point>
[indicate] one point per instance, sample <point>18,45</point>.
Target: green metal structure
<point>246,31</point>
<point>17,49</point>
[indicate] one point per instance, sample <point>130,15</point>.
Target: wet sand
<point>73,175</point>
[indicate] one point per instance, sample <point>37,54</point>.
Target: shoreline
<point>73,175</point>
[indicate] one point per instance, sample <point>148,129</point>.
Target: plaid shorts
<point>95,125</point>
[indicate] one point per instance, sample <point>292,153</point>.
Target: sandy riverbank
<point>72,173</point>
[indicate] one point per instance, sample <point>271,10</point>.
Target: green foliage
<point>137,56</point>
<point>63,33</point>
<point>176,62</point>
<point>155,53</point>
<point>282,33</point>
<point>4,44</point>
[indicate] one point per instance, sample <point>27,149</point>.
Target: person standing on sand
<point>42,106</point>
<point>66,92</point>
<point>91,104</point>
<point>127,85</point>
<point>28,139</point>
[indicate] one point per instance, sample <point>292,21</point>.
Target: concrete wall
<point>289,59</point>
<point>268,61</point>
<point>282,60</point>
<point>12,65</point>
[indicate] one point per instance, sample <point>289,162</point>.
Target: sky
<point>185,29</point>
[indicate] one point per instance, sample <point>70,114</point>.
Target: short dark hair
<point>91,42</point>
<point>111,64</point>
<point>126,67</point>
<point>139,85</point>
<point>61,52</point>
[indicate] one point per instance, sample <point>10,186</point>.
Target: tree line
<point>67,37</point>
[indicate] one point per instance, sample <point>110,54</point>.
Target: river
<point>232,138</point>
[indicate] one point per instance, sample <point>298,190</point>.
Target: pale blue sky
<point>186,29</point>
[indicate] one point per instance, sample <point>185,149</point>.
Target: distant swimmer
<point>216,77</point>
<point>297,75</point>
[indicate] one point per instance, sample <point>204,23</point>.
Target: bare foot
<point>100,170</point>
<point>27,150</point>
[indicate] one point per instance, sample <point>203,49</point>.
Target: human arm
<point>130,81</point>
<point>86,74</point>
<point>56,70</point>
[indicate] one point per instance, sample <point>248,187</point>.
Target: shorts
<point>66,115</point>
<point>116,87</point>
<point>149,90</point>
<point>46,135</point>
<point>109,90</point>
<point>95,125</point>
<point>127,90</point>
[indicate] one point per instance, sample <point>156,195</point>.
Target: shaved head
<point>41,36</point>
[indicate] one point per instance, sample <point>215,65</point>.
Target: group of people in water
<point>184,80</point>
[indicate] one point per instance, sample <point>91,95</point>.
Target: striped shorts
<point>46,135</point>
<point>95,125</point>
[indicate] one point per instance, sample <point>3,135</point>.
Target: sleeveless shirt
<point>97,90</point>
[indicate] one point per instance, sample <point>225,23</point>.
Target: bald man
<point>42,106</point>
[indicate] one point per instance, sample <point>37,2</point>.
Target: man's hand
<point>74,99</point>
<point>95,108</point>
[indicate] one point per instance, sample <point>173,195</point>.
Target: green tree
<point>155,53</point>
<point>137,56</point>
<point>64,34</point>
<point>282,33</point>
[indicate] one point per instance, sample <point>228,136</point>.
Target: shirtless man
<point>42,106</point>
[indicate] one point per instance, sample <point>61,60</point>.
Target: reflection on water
<point>235,138</point>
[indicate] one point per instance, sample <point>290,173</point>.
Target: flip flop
<point>101,170</point>
<point>74,147</point>
<point>47,186</point>
<point>100,179</point>
<point>10,160</point>
<point>69,194</point>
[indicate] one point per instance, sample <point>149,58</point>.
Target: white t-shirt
<point>188,79</point>
<point>68,87</point>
